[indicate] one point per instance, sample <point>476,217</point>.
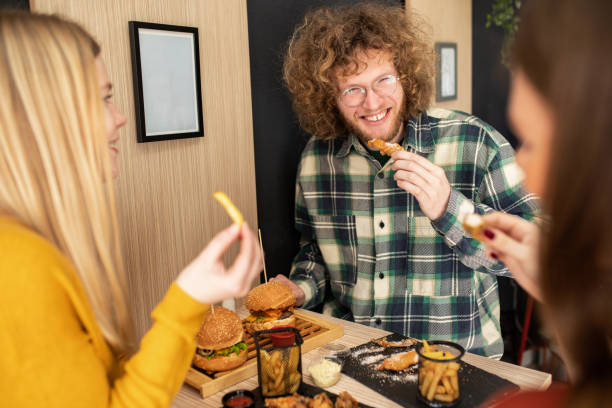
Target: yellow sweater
<point>52,351</point>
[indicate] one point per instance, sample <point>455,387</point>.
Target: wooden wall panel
<point>164,190</point>
<point>451,21</point>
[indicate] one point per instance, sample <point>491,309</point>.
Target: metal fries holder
<point>438,379</point>
<point>279,368</point>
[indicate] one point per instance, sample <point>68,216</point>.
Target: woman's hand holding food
<point>515,242</point>
<point>208,280</point>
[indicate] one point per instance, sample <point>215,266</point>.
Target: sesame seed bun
<point>220,329</point>
<point>271,295</point>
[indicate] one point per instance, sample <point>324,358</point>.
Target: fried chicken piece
<point>404,343</point>
<point>399,362</point>
<point>346,400</point>
<point>293,401</point>
<point>321,401</point>
<point>384,147</point>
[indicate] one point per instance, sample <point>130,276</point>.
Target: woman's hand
<point>515,242</point>
<point>297,291</point>
<point>208,280</point>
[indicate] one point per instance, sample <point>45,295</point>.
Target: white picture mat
<point>448,87</point>
<point>168,82</point>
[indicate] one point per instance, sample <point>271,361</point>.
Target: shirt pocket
<point>432,267</point>
<point>442,317</point>
<point>337,240</point>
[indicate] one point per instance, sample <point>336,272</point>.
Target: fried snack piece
<point>321,401</point>
<point>404,343</point>
<point>384,147</point>
<point>292,401</point>
<point>472,222</point>
<point>399,362</point>
<point>474,225</point>
<point>229,206</point>
<point>346,400</point>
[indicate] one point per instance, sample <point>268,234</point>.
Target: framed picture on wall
<point>446,72</point>
<point>166,76</point>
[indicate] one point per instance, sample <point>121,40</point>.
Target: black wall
<point>15,4</point>
<point>490,87</point>
<point>278,138</point>
<point>490,78</point>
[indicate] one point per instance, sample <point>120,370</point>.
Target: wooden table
<point>355,334</point>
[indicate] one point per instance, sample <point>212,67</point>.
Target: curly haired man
<point>380,240</point>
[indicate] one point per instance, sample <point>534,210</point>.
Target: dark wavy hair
<point>330,39</point>
<point>564,48</point>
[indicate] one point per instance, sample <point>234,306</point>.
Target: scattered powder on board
<point>359,352</point>
<point>399,377</point>
<point>372,359</point>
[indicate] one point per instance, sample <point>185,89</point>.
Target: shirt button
<point>381,275</point>
<point>381,225</point>
<point>380,175</point>
<point>378,321</point>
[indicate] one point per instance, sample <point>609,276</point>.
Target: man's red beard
<point>399,121</point>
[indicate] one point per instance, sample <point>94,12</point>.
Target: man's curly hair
<point>329,40</point>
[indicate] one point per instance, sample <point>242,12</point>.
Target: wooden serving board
<point>314,331</point>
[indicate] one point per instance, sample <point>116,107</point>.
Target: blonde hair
<point>54,157</point>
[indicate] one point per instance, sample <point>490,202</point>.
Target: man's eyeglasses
<point>355,96</point>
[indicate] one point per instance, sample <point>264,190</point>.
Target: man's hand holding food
<point>297,292</point>
<point>424,180</point>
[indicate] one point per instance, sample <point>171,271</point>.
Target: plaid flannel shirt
<point>370,254</point>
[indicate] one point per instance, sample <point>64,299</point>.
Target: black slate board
<point>476,385</point>
<point>306,390</point>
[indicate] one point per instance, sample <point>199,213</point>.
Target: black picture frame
<point>166,79</point>
<point>446,71</point>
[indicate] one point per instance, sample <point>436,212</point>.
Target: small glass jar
<point>439,366</point>
<point>338,350</point>
<point>326,372</point>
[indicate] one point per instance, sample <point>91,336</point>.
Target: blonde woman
<point>65,329</point>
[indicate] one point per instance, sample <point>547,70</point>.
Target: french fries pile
<point>438,380</point>
<point>279,371</point>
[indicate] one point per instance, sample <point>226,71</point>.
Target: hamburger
<point>271,304</point>
<point>219,342</point>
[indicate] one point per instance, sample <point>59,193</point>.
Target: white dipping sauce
<point>326,373</point>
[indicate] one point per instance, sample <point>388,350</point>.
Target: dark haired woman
<point>560,109</point>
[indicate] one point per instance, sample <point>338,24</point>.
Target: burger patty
<point>286,314</point>
<point>269,315</point>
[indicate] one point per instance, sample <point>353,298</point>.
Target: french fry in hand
<point>229,206</point>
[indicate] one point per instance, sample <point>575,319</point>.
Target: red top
<point>554,397</point>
